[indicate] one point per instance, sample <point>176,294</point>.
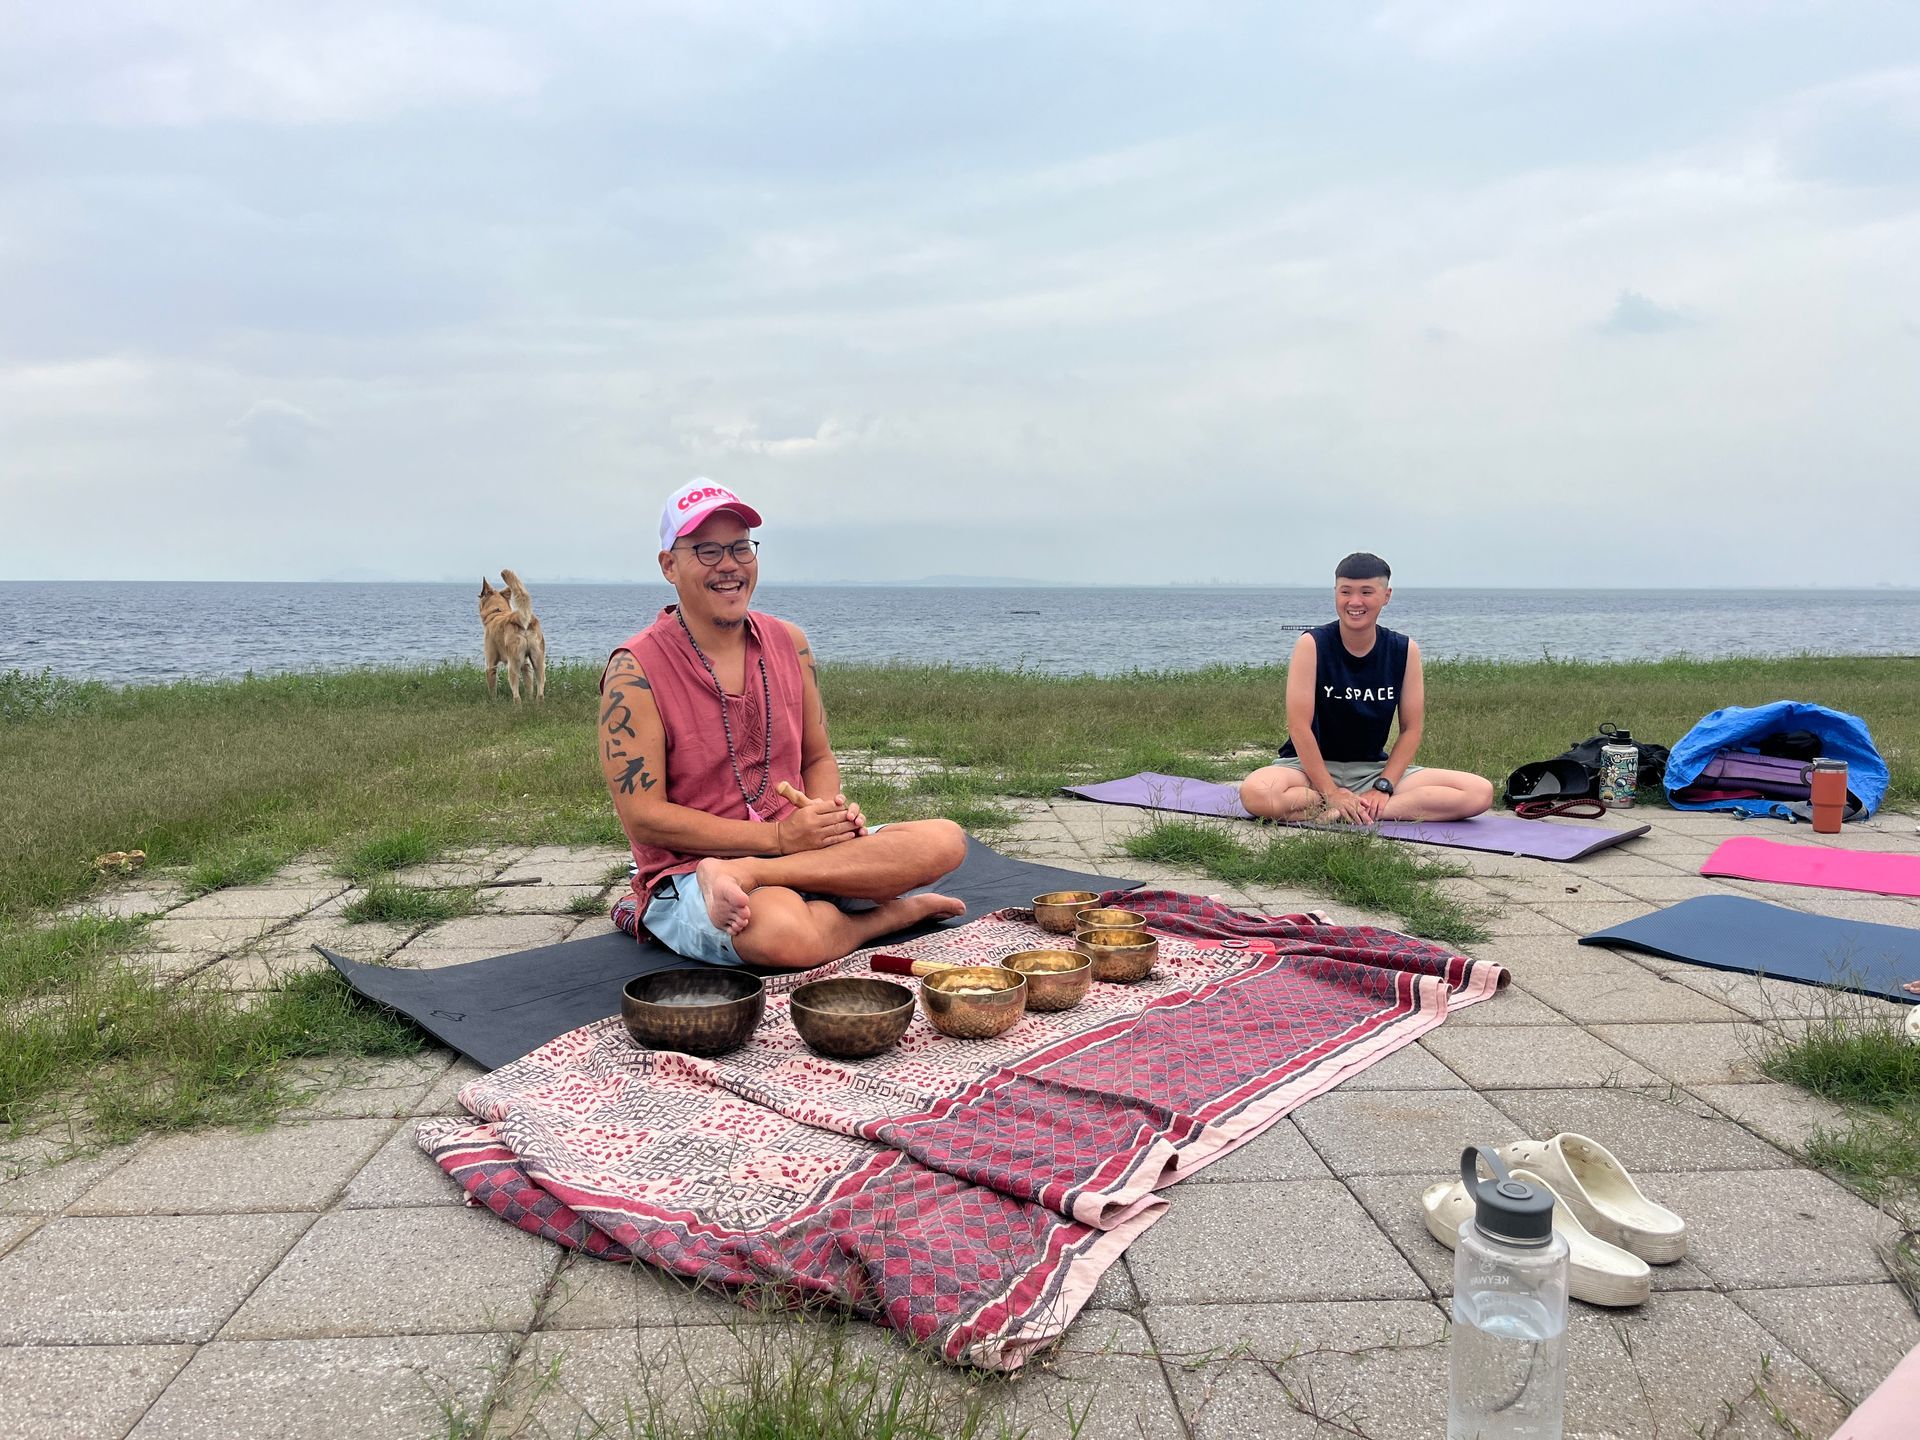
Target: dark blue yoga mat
<point>494,1011</point>
<point>1730,932</point>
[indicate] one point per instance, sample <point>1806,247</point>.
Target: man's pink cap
<point>693,503</point>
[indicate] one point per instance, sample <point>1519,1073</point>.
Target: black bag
<point>1574,774</point>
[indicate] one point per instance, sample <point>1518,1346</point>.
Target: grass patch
<point>794,1378</point>
<point>129,1054</point>
<point>586,905</point>
<point>410,904</point>
<point>1359,869</point>
<point>1851,1060</point>
<point>299,763</point>
<point>383,854</point>
<point>239,865</point>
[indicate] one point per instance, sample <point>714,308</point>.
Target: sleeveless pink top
<point>699,774</point>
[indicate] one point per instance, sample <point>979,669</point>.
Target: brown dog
<point>514,637</point>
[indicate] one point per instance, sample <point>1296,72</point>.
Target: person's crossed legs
<point>1282,792</point>
<point>759,899</point>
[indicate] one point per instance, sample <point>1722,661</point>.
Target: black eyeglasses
<point>708,552</point>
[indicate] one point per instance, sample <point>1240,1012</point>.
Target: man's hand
<point>1343,804</point>
<point>853,813</point>
<point>814,825</point>
<point>1372,802</point>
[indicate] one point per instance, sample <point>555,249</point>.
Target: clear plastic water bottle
<point>1508,1360</point>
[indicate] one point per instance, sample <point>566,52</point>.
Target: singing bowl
<point>1120,956</point>
<point>1056,979</point>
<point>1097,919</point>
<point>851,1017</point>
<point>703,1012</point>
<point>1056,909</point>
<point>997,1000</point>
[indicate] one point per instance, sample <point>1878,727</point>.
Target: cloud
<point>1635,314</point>
<point>211,63</point>
<point>276,434</point>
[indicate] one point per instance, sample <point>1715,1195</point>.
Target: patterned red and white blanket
<point>967,1193</point>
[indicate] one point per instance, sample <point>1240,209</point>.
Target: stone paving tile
<point>145,1280</point>
<point>165,965</point>
<point>570,1383</point>
<point>15,1228</point>
<point>1753,1228</point>
<point>1517,920</point>
<point>82,1392</point>
<point>222,1172</point>
<point>126,904</point>
<point>1679,1364</point>
<point>1585,918</point>
<point>1531,957</point>
<point>1274,1240</point>
<point>1694,1054</point>
<point>1600,998</point>
<point>251,902</point>
<point>1784,1114</point>
<point>354,1087</point>
<point>1777,1002</point>
<point>422,955</point>
<point>1867,908</point>
<point>501,934</point>
<point>1565,889</point>
<point>449,873</point>
<point>1512,1006</point>
<point>323,1389</point>
<point>423,1271</point>
<point>1852,1334</point>
<point>546,899</point>
<point>44,1177</point>
<point>400,1174</point>
<point>1394,1203</point>
<point>592,926</point>
<point>1530,1056</point>
<point>255,970</point>
<point>1386,1132</point>
<point>216,936</point>
<point>590,1294</point>
<point>372,940</point>
<point>1654,1129</point>
<point>443,1096</point>
<point>1374,1368</point>
<point>1409,1068</point>
<point>1280,1153</point>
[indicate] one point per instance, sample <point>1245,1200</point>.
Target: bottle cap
<point>1623,737</point>
<point>1507,1209</point>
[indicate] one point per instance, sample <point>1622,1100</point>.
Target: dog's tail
<point>521,601</point>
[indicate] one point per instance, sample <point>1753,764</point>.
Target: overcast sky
<point>1509,291</point>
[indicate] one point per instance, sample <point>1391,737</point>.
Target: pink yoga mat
<point>1751,858</point>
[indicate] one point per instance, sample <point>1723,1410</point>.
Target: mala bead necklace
<point>726,724</point>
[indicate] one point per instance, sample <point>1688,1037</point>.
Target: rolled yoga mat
<point>1748,857</point>
<point>494,1011</point>
<point>1497,834</point>
<point>1731,932</point>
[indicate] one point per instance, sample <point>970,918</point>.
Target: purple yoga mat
<point>1500,834</point>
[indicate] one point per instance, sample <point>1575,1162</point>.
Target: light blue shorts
<point>677,917</point>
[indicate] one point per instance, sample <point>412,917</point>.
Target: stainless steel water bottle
<point>1619,771</point>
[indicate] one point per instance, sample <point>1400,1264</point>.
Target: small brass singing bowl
<point>974,1002</point>
<point>851,1017</point>
<point>1056,910</point>
<point>1056,979</point>
<point>1120,956</point>
<point>1110,920</point>
<point>702,1012</point>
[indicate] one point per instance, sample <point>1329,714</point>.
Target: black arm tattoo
<point>637,770</point>
<point>618,716</point>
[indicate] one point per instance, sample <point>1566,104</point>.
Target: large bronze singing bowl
<point>999,1002</point>
<point>1120,956</point>
<point>703,1012</point>
<point>1055,910</point>
<point>1056,979</point>
<point>851,1017</point>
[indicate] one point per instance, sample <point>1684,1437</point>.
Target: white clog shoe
<point>1598,1273</point>
<point>1598,1189</point>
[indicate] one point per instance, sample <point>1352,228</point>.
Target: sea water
<point>1509,1368</point>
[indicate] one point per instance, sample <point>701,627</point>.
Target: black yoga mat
<point>494,1011</point>
<point>1730,932</point>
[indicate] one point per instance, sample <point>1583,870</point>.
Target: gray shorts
<point>1354,775</point>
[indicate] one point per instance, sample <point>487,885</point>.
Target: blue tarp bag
<point>1842,737</point>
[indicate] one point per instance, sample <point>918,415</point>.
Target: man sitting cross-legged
<point>1346,682</point>
<point>704,716</point>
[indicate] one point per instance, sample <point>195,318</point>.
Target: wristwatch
<point>1383,785</point>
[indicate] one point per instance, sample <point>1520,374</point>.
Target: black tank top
<point>1354,696</point>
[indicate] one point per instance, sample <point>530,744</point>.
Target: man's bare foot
<point>931,907</point>
<point>726,897</point>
